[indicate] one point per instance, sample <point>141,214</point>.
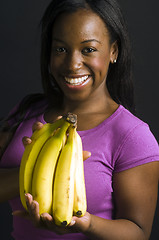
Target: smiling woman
<point>86,70</point>
<point>79,62</point>
<point>115,32</point>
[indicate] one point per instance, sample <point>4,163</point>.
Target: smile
<point>76,81</point>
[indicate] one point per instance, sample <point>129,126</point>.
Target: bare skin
<point>135,190</point>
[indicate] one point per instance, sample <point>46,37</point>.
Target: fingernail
<point>26,197</point>
<point>89,154</point>
<point>28,140</point>
<point>72,222</point>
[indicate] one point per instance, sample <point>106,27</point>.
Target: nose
<point>74,61</point>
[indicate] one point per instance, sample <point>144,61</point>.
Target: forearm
<point>9,183</point>
<point>120,229</point>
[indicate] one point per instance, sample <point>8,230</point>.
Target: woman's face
<point>80,55</point>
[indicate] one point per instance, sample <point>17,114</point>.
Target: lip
<point>78,86</point>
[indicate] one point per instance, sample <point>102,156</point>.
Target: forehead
<point>83,23</point>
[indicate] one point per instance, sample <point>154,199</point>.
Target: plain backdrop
<point>20,66</point>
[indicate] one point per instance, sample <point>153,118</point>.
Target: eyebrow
<point>57,40</point>
<point>91,40</point>
<point>85,41</point>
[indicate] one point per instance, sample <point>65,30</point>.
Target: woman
<point>86,69</point>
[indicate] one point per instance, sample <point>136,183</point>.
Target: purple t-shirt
<point>120,142</point>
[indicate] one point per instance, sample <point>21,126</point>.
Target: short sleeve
<point>138,147</point>
<point>30,106</point>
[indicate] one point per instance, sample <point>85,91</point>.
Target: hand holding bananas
<point>46,221</point>
<point>48,170</point>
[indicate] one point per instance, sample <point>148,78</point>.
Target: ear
<point>114,52</point>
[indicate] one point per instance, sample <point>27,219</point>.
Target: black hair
<point>119,79</point>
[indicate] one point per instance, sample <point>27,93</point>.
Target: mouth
<point>76,81</point>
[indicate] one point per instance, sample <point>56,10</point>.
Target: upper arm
<point>135,194</point>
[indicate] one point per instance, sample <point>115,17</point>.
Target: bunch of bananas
<point>52,170</point>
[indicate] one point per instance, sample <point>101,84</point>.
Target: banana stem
<point>71,118</point>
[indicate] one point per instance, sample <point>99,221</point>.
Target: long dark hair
<point>119,78</point>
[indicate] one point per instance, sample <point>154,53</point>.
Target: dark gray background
<point>20,68</point>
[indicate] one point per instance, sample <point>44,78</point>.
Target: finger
<point>59,117</point>
<point>28,199</point>
<point>86,155</point>
<point>33,209</point>
<point>37,126</point>
<point>34,215</point>
<point>26,141</point>
<point>21,213</point>
<point>49,223</point>
<point>81,224</point>
<point>73,222</point>
<point>47,217</point>
<point>47,220</point>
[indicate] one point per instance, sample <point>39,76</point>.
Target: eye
<point>89,50</point>
<point>59,50</point>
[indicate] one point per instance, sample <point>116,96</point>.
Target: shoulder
<point>126,121</point>
<point>122,124</point>
<point>125,125</point>
<point>34,102</point>
<point>37,107</point>
<point>30,106</point>
<point>135,143</point>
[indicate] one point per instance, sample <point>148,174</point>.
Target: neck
<point>90,112</point>
<point>100,104</point>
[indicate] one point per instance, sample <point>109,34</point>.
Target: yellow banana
<point>44,169</point>
<point>30,155</point>
<point>63,188</point>
<point>80,202</point>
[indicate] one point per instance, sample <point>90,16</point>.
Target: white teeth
<point>76,81</point>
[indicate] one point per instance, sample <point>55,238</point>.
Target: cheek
<point>54,65</point>
<point>53,62</point>
<point>100,64</point>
